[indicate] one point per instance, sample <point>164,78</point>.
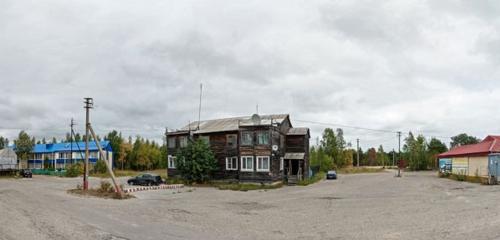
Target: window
<point>183,141</point>
<point>232,163</point>
<point>263,138</point>
<point>205,139</point>
<point>281,163</point>
<point>247,164</point>
<point>171,161</point>
<point>247,138</point>
<point>231,140</point>
<point>263,164</point>
<point>171,142</point>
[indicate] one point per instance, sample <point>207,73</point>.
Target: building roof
<point>298,131</point>
<point>66,147</point>
<point>491,144</point>
<point>233,124</point>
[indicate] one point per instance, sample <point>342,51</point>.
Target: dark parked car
<point>331,175</point>
<point>26,173</point>
<point>145,180</point>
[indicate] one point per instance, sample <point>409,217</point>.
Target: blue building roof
<point>66,147</point>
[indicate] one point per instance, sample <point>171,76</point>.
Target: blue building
<point>62,155</point>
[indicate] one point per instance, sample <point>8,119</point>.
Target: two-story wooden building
<point>249,149</point>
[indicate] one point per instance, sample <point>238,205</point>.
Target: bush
<point>100,167</point>
<point>75,170</point>
<point>106,187</point>
<point>316,178</point>
<point>196,162</point>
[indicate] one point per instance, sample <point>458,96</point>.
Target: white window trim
<point>259,169</point>
<point>230,160</point>
<point>282,159</point>
<point>241,164</point>
<point>171,162</point>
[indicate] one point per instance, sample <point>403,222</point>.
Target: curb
<point>138,189</point>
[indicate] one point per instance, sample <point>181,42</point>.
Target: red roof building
<point>491,144</point>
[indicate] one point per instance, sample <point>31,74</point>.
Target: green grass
<point>246,186</point>
<point>355,170</point>
<point>318,177</point>
<point>465,178</point>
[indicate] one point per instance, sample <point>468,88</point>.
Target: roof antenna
<point>257,108</point>
<point>199,108</point>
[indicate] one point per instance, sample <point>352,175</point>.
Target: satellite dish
<point>275,147</point>
<point>256,119</point>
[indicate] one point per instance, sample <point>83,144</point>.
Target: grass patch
<point>105,190</point>
<point>354,170</point>
<point>465,178</point>
<point>246,186</point>
<point>318,177</point>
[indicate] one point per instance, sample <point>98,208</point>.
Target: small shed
<point>8,159</point>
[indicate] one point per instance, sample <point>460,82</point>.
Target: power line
<point>348,126</point>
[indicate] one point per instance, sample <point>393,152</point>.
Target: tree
<point>54,140</point>
<point>372,156</point>
<point>4,142</point>
<point>463,139</point>
<point>115,140</point>
<point>124,151</point>
<point>24,145</point>
<point>435,147</point>
<point>333,145</point>
<point>415,151</point>
<point>382,158</point>
<point>196,162</point>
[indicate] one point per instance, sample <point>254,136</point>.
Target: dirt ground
<point>358,206</point>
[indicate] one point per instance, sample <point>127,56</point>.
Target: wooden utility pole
<point>399,154</point>
<point>108,165</point>
<point>357,152</point>
<point>71,142</point>
<point>89,103</point>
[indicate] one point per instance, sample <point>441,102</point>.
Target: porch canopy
<point>295,156</point>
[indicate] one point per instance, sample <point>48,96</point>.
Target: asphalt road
<point>361,206</point>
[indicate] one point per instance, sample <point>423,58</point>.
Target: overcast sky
<point>426,66</point>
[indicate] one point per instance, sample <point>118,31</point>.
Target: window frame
<point>246,169</point>
<point>183,141</point>
<point>171,161</point>
<point>282,163</point>
<point>205,137</point>
<point>235,144</point>
<point>230,160</point>
<point>262,132</point>
<point>171,140</point>
<point>259,167</point>
<point>252,136</point>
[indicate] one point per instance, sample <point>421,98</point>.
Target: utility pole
<point>199,107</point>
<point>357,152</point>
<point>89,103</point>
<point>393,156</point>
<point>399,153</point>
<point>71,142</point>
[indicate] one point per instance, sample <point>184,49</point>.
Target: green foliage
<point>196,162</point>
<point>332,152</point>
<point>4,142</point>
<point>463,139</point>
<point>100,167</point>
<point>24,145</point>
<point>75,170</point>
<point>106,187</point>
<point>382,159</point>
<point>416,153</point>
<point>247,186</point>
<point>355,170</point>
<point>316,178</point>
